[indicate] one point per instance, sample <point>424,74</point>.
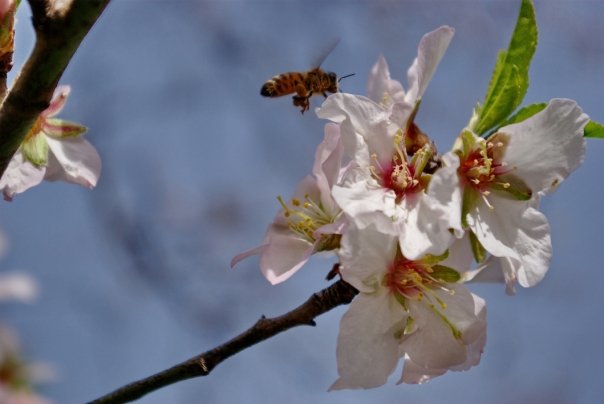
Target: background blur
<point>134,275</point>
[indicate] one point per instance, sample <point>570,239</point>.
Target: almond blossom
<point>410,309</point>
<point>312,222</point>
<point>492,186</point>
<point>386,187</point>
<point>54,149</point>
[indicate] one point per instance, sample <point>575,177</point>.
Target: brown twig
<point>201,365</point>
<point>59,32</point>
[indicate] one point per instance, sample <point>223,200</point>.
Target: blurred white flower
<point>17,286</point>
<point>16,377</point>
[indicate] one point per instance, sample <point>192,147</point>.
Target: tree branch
<point>59,32</point>
<point>201,365</point>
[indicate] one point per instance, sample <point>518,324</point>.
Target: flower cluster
<point>411,227</point>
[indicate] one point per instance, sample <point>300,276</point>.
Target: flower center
<point>400,175</point>
<point>412,279</point>
<point>483,168</point>
<point>305,217</point>
<point>419,281</point>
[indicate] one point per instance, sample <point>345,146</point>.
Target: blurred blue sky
<point>134,276</point>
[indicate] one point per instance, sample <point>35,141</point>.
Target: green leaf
<point>477,249</point>
<point>525,113</point>
<point>594,129</point>
<point>35,149</point>
<point>445,274</point>
<point>510,81</point>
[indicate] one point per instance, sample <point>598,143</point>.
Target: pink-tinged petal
<point>433,345</point>
<point>284,255</point>
<point>60,128</point>
<point>58,101</point>
<point>430,51</point>
<point>249,253</point>
<point>381,88</point>
<point>544,149</point>
<point>19,176</point>
<point>73,160</point>
<point>17,286</point>
<point>365,256</point>
<point>367,351</point>
<point>516,230</point>
<point>446,189</point>
<point>423,226</point>
<point>364,126</point>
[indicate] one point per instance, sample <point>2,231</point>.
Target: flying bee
<point>304,84</point>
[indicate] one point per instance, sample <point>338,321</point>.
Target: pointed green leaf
<point>477,249</point>
<point>510,77</point>
<point>525,113</point>
<point>594,129</point>
<point>35,149</point>
<point>445,274</point>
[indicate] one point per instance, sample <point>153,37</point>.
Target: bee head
<point>340,79</point>
<point>333,82</point>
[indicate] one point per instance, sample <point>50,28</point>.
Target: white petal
<point>433,345</point>
<point>73,160</point>
<point>460,255</point>
<point>445,188</point>
<point>516,230</point>
<point>367,350</point>
<point>423,227</point>
<point>381,88</point>
<point>546,148</point>
<point>365,127</point>
<point>430,51</point>
<point>284,255</point>
<point>328,162</point>
<point>19,176</point>
<point>361,198</point>
<point>365,256</point>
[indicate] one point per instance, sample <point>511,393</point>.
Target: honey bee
<point>303,84</point>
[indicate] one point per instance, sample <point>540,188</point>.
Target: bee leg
<point>301,101</point>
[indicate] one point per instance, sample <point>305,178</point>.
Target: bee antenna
<point>343,77</point>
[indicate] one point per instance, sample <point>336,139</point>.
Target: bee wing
<point>325,52</point>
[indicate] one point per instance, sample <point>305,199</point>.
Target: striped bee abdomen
<point>283,84</point>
